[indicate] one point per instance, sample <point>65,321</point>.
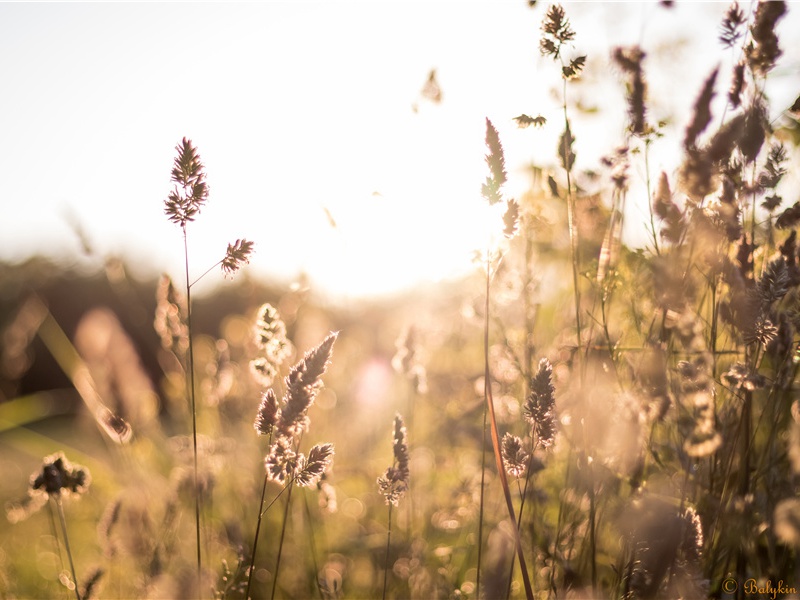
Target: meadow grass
<point>642,411</point>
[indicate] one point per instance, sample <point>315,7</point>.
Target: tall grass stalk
<point>182,205</point>
<point>393,484</point>
<point>190,376</point>
<point>496,443</point>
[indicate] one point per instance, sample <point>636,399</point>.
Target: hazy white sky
<point>299,108</point>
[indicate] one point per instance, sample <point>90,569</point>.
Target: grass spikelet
<point>764,51</point>
<point>272,343</point>
<point>393,484</point>
<point>282,461</point>
<point>630,61</point>
<point>754,134</point>
<point>737,85</point>
<point>701,115</point>
<point>515,457</point>
<point>302,385</point>
<point>556,31</point>
<point>236,255</point>
<point>732,25</point>
<point>497,166</point>
<point>268,413</point>
<point>539,409</point>
<point>310,469</point>
<point>523,121</point>
<point>191,191</point>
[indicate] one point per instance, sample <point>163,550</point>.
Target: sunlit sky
<point>309,114</point>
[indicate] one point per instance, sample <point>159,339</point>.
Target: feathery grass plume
<point>673,225</point>
<point>236,255</point>
<point>302,385</point>
<point>556,32</point>
<point>774,170</point>
<point>274,346</point>
<point>539,409</point>
<point>737,85</point>
<point>523,121</point>
<point>191,190</point>
<point>725,140</point>
<point>756,125</point>
<point>774,283</point>
<point>630,61</point>
<point>57,479</point>
<point>763,51</point>
<point>515,457</point>
<point>731,28</point>
<point>310,469</point>
<point>393,484</point>
<point>701,116</point>
<point>268,413</point>
<point>742,377</point>
<point>281,462</point>
<point>497,166</point>
<point>573,68</point>
<point>169,321</point>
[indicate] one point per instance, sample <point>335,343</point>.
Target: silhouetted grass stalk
<point>190,377</point>
<point>496,442</point>
<point>261,512</point>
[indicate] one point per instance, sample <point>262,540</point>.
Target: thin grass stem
<point>190,375</point>
<point>388,547</point>
<point>66,545</point>
<point>283,536</point>
<point>261,512</point>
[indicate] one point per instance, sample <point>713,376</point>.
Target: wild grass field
<point>581,417</point>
